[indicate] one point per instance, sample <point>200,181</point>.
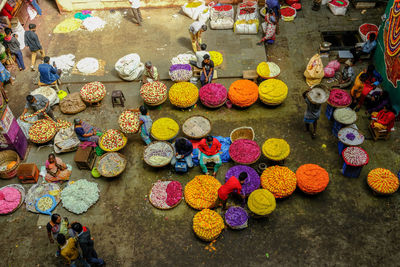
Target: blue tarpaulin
<point>225,144</point>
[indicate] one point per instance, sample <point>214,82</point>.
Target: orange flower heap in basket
<point>202,192</point>
<point>243,93</point>
<point>93,92</point>
<point>183,94</point>
<point>207,224</point>
<point>112,140</point>
<point>129,121</point>
<point>383,181</point>
<point>154,92</point>
<point>312,179</point>
<point>280,181</point>
<point>42,131</point>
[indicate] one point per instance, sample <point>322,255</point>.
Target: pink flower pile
<point>166,194</point>
<point>9,199</point>
<point>174,193</point>
<point>213,94</point>
<point>244,151</point>
<point>339,98</point>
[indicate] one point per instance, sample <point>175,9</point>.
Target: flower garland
<point>129,121</point>
<point>339,98</point>
<point>111,164</point>
<point>252,181</point>
<point>311,178</point>
<point>382,181</point>
<point>93,92</point>
<point>276,149</point>
<point>244,151</point>
<point>273,91</point>
<point>180,72</point>
<point>261,202</point>
<point>42,131</point>
<point>213,94</point>
<point>183,94</point>
<point>154,92</point>
<point>207,224</point>
<point>202,192</point>
<point>236,217</point>
<point>345,115</point>
<point>79,196</point>
<point>263,69</point>
<point>243,93</point>
<point>280,181</point>
<point>112,140</point>
<point>165,194</point>
<point>216,57</point>
<point>164,129</point>
<point>9,199</point>
<point>355,156</point>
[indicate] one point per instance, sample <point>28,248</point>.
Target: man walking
<point>32,41</point>
<point>136,11</point>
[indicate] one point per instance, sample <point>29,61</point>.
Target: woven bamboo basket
<point>114,175</point>
<point>157,104</point>
<point>6,157</point>
<point>217,106</point>
<point>200,136</point>
<point>21,201</point>
<point>189,105</point>
<point>115,149</point>
<point>171,207</point>
<point>242,133</point>
<point>152,143</point>
<point>49,138</point>
<point>241,163</point>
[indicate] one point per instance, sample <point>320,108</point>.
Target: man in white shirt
<point>195,30</point>
<point>200,56</point>
<point>136,11</point>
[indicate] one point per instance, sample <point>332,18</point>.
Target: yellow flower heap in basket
<point>216,57</point>
<point>112,140</point>
<point>164,129</point>
<point>268,70</point>
<point>276,149</point>
<point>383,181</point>
<point>280,181</point>
<point>273,92</point>
<point>93,92</point>
<point>261,202</point>
<point>183,94</point>
<point>129,121</point>
<point>202,192</point>
<point>208,225</point>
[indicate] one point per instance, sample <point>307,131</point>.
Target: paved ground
<point>346,225</point>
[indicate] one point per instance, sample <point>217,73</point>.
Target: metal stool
<point>117,98</point>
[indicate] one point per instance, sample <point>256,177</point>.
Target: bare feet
<point>214,174</point>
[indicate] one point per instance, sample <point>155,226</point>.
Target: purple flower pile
<point>251,183</point>
<point>236,216</point>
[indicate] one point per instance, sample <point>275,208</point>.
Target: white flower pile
<point>64,62</point>
<point>93,23</point>
<point>80,196</point>
<point>88,65</point>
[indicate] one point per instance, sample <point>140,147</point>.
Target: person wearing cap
<point>195,30</point>
<point>346,77</point>
<point>38,102</point>
<point>208,70</point>
<point>32,41</point>
<point>313,98</point>
<point>150,73</point>
<point>85,132</point>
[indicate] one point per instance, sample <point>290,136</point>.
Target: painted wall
<point>387,54</point>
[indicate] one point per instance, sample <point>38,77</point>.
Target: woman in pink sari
<point>56,170</point>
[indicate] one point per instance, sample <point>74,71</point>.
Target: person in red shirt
<point>232,186</point>
<point>210,152</point>
<point>384,119</point>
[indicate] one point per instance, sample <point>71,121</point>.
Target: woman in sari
<point>56,170</point>
<point>86,132</point>
<point>270,29</point>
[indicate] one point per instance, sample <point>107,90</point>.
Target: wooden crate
<point>363,4</point>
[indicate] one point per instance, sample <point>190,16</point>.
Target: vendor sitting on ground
<point>346,77</point>
<point>38,102</point>
<point>208,70</point>
<point>232,187</point>
<point>56,170</point>
<point>357,90</point>
<point>270,30</point>
<point>48,74</point>
<point>210,150</point>
<point>374,77</point>
<point>86,132</point>
<point>150,73</point>
<point>183,150</point>
<point>200,57</point>
<point>366,49</point>
<point>377,101</point>
<point>384,119</point>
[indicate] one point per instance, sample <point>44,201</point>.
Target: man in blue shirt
<point>38,102</point>
<point>48,74</point>
<point>367,48</point>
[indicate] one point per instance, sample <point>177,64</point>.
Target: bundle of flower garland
<point>10,198</point>
<point>180,72</point>
<point>345,115</point>
<point>268,69</point>
<point>129,121</point>
<point>42,131</point>
<point>355,156</point>
<point>288,12</point>
<point>207,224</point>
<point>243,93</point>
<point>311,178</point>
<point>202,192</point>
<point>112,140</point>
<point>111,164</point>
<point>216,57</point>
<point>280,181</point>
<point>79,196</point>
<point>62,124</point>
<point>339,98</point>
<point>93,92</point>
<point>273,91</point>
<point>261,202</point>
<point>165,194</point>
<point>213,94</point>
<point>252,181</point>
<point>276,149</point>
<point>244,151</point>
<point>383,181</point>
<point>183,94</point>
<point>158,154</point>
<point>236,218</point>
<point>153,93</point>
<point>164,129</point>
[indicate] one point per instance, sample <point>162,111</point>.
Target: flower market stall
<point>383,181</point>
<point>276,149</point>
<point>243,93</point>
<point>273,92</point>
<point>354,159</point>
<point>183,94</point>
<point>312,179</point>
<point>244,151</point>
<point>112,140</point>
<point>236,218</point>
<point>154,93</point>
<point>213,95</point>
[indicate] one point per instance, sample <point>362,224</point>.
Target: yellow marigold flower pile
<point>164,129</point>
<point>261,202</point>
<point>216,57</point>
<point>68,25</point>
<point>202,192</point>
<point>383,181</point>
<point>280,181</point>
<point>273,91</point>
<point>276,149</point>
<point>268,70</point>
<point>183,94</point>
<point>193,4</point>
<point>263,69</point>
<point>207,224</point>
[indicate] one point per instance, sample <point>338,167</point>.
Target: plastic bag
<point>66,140</point>
<point>248,10</point>
<point>314,71</point>
<point>194,12</point>
<point>222,24</point>
<point>329,72</point>
<point>220,12</point>
<point>334,64</point>
<point>204,16</point>
<point>246,27</point>
<point>127,65</point>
